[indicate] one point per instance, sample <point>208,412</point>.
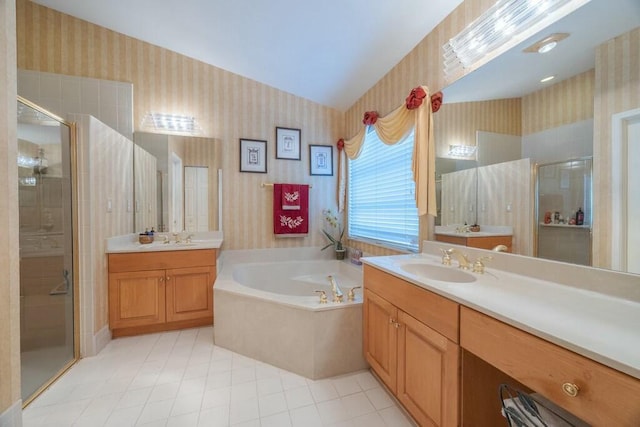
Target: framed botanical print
<point>253,155</point>
<point>287,143</point>
<point>321,160</point>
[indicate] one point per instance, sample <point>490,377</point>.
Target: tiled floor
<point>181,379</point>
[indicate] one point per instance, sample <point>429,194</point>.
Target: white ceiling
<point>516,73</point>
<point>330,52</point>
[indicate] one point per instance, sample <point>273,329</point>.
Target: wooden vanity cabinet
<point>157,291</point>
<point>595,393</point>
<point>482,242</point>
<point>410,341</point>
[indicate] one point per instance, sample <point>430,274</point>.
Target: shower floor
<point>40,365</point>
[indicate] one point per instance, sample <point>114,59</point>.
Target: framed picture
<point>321,160</point>
<point>253,156</point>
<point>287,143</point>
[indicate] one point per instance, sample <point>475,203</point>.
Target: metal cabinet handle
<point>570,389</point>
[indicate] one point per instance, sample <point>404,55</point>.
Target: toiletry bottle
<point>579,217</point>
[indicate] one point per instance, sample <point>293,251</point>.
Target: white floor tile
<point>164,392</point>
<point>332,411</point>
<point>379,398</point>
<point>298,397</point>
<point>155,411</point>
<point>185,420</point>
<point>244,391</point>
<point>307,416</point>
<point>216,397</point>
<point>366,380</point>
<point>323,391</point>
<point>272,404</point>
<point>134,397</point>
<point>214,417</point>
<point>277,420</point>
<point>269,386</point>
<point>244,410</point>
<point>369,420</point>
<point>186,404</point>
<point>124,417</point>
<point>180,378</point>
<point>346,385</point>
<point>393,416</point>
<point>357,404</point>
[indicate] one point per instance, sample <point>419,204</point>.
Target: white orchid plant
<point>332,221</point>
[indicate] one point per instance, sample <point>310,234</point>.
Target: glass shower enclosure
<point>563,189</point>
<point>48,308</point>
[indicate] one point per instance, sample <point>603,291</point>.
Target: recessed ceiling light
<point>547,46</point>
<point>547,43</point>
<point>546,79</point>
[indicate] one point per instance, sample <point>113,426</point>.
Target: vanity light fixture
<point>464,151</point>
<point>173,123</point>
<point>501,27</point>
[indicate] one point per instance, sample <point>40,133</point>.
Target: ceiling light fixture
<point>547,79</point>
<point>501,27</point>
<point>546,44</point>
<point>173,123</point>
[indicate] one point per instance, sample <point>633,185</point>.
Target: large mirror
<point>176,183</point>
<point>505,100</point>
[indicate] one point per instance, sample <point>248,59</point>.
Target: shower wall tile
<point>109,101</point>
<point>571,141</point>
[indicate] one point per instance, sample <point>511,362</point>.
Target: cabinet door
<point>136,298</point>
<point>428,373</point>
<point>380,337</point>
<point>190,293</point>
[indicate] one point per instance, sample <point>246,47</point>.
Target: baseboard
<point>92,344</point>
<point>12,417</point>
<point>102,338</point>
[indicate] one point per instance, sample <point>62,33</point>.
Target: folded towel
<point>288,223</point>
<point>291,197</point>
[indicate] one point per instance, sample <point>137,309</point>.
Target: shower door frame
<point>73,150</point>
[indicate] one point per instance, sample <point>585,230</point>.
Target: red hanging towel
<point>291,197</point>
<point>290,223</point>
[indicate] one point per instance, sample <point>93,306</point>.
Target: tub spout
<point>335,289</point>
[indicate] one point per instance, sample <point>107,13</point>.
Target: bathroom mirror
<point>509,78</point>
<point>176,182</point>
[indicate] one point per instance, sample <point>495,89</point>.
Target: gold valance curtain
<point>391,129</point>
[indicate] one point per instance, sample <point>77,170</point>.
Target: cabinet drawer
<point>160,260</point>
<point>606,397</point>
<point>429,308</point>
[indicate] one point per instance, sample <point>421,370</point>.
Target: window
<point>382,207</point>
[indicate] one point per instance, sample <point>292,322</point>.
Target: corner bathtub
<point>265,307</point>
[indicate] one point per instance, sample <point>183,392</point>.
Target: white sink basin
<point>436,272</point>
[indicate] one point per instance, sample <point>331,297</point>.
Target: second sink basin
<point>442,274</point>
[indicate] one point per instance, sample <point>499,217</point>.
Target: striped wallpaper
<point>617,89</point>
<point>458,123</point>
<point>10,404</point>
<point>227,106</point>
<point>568,101</point>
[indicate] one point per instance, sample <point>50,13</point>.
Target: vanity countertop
<point>600,326</point>
<point>485,231</point>
<point>199,240</point>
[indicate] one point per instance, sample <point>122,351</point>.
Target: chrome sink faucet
<point>463,261</point>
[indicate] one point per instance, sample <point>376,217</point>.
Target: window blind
<point>381,201</point>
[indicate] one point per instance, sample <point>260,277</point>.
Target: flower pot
<point>340,253</point>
